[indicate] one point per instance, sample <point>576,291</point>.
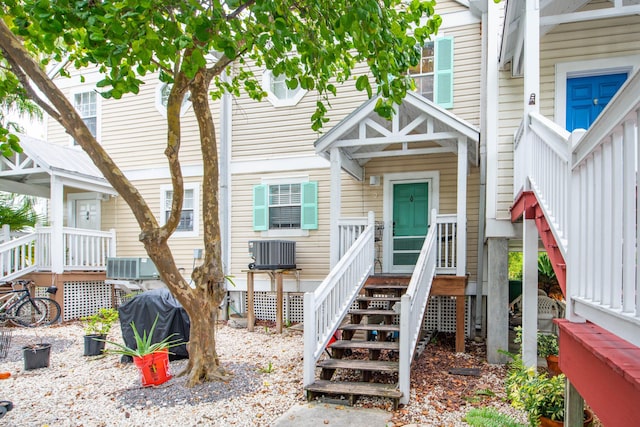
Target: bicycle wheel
<point>38,311</point>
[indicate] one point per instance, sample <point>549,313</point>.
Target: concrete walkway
<point>320,414</point>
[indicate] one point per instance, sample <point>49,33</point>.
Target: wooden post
<point>460,324</point>
<point>279,301</point>
<point>250,314</point>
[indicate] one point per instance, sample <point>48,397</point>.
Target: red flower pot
<point>154,368</point>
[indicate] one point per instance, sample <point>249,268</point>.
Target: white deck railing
<point>17,257</point>
<point>542,166</point>
<point>413,305</point>
<point>446,244</point>
<point>349,229</point>
<point>325,308</point>
<point>602,281</point>
<point>447,238</point>
<point>81,250</point>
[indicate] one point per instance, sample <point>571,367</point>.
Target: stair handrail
<point>325,308</point>
<point>17,257</point>
<point>413,305</point>
<point>542,156</point>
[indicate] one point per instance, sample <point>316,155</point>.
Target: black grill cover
<point>142,310</point>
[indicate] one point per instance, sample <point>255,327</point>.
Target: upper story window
<point>423,72</point>
<point>278,93</point>
<point>162,97</point>
<point>86,103</point>
<point>188,226</point>
<point>434,73</point>
<point>285,206</point>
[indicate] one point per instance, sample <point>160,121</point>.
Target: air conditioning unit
<point>272,254</point>
<point>131,269</point>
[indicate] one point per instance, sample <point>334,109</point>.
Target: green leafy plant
<point>100,323</point>
<point>490,417</point>
<point>267,369</point>
<point>144,344</point>
<point>547,343</point>
<point>536,393</point>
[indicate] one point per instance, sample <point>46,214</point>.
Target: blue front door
<point>587,97</point>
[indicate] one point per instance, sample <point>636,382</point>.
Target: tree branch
<point>239,10</point>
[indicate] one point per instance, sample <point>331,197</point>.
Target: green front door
<point>410,223</point>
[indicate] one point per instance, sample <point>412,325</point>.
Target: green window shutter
<point>261,207</point>
<point>309,206</point>
<point>443,74</point>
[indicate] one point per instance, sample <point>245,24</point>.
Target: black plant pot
<point>93,347</point>
<point>36,356</point>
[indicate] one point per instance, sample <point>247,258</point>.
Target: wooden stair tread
<point>370,299</point>
<point>376,286</point>
<point>369,327</point>
<point>373,312</point>
<point>360,388</point>
<point>359,364</point>
<point>366,345</point>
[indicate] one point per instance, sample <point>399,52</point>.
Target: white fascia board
<point>279,164</point>
<point>237,167</point>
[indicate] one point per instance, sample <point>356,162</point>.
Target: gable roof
<point>31,171</point>
<point>418,127</point>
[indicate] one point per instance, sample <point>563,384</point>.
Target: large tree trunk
<point>202,302</point>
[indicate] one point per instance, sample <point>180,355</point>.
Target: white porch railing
<point>602,281</point>
<point>349,229</point>
<point>326,306</point>
<point>542,165</point>
<point>413,305</point>
<point>446,238</point>
<point>81,250</point>
<point>446,243</point>
<point>17,257</point>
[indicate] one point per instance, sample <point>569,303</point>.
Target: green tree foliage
<point>316,44</point>
<point>19,215</point>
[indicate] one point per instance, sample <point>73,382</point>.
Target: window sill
<point>285,233</point>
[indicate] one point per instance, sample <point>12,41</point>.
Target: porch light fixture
<point>374,180</point>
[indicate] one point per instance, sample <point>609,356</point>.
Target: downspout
<point>483,177</point>
<point>225,184</point>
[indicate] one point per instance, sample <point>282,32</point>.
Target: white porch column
<point>57,216</point>
<point>335,207</point>
<point>529,292</point>
<point>532,57</point>
<point>461,217</point>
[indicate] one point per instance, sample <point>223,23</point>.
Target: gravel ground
<point>100,391</point>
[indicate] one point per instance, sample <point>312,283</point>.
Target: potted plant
<point>151,359</point>
<point>540,395</point>
<point>548,348</point>
<point>36,356</point>
<point>96,328</point>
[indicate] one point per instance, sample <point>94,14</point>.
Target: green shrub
<point>489,417</point>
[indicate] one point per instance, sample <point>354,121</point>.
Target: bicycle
<point>22,309</point>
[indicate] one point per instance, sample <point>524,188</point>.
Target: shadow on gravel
<point>246,379</point>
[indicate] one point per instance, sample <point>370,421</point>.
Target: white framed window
<point>278,93</point>
<point>189,217</point>
<point>87,105</point>
<point>162,97</point>
<point>433,75</point>
<point>423,72</point>
<point>285,207</point>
